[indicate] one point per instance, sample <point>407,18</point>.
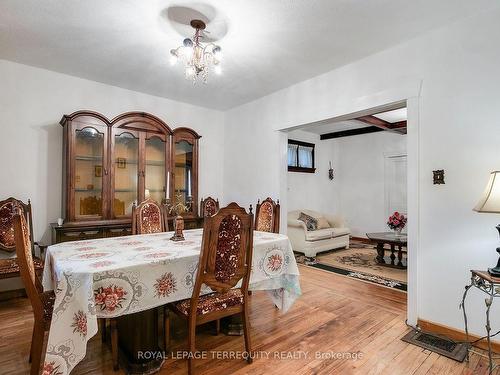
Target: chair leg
<point>31,346</point>
<point>166,327</point>
<point>103,323</point>
<point>36,347</point>
<point>114,343</point>
<point>246,333</point>
<point>191,345</point>
<point>217,327</point>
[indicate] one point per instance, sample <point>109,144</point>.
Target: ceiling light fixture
<point>198,58</point>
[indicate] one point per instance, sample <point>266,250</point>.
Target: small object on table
<point>178,228</point>
<point>490,203</point>
<point>399,241</point>
<point>490,285</point>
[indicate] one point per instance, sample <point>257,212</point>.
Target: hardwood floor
<point>334,314</point>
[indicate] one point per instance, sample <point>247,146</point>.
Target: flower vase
<point>397,232</point>
<point>178,228</point>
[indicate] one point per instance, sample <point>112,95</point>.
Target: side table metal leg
<point>462,306</point>
<point>488,302</point>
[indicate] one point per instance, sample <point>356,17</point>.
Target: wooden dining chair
<point>41,302</point>
<point>9,267</point>
<point>149,217</point>
<point>225,259</point>
<point>208,206</point>
<point>267,216</point>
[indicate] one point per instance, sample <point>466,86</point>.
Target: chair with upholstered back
<point>9,267</point>
<point>267,216</point>
<point>208,206</point>
<point>42,302</point>
<point>149,217</point>
<point>225,260</point>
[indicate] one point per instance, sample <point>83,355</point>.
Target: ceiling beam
<point>351,132</point>
<point>396,127</point>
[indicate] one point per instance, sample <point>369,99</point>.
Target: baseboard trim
<point>10,294</point>
<point>456,334</point>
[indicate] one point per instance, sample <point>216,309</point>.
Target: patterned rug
<point>358,262</point>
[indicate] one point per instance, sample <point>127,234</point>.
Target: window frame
<point>302,169</point>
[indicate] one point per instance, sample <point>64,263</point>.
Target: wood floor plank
<point>335,314</point>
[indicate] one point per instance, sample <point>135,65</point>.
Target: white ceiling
<point>326,127</point>
<point>393,116</point>
<point>267,45</point>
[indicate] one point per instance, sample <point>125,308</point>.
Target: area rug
<point>359,262</point>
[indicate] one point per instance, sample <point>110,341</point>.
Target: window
<point>300,156</point>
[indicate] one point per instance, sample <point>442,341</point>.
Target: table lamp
<point>490,203</point>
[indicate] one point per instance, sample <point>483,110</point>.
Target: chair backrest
<point>149,217</point>
<point>209,206</point>
<point>23,246</point>
<point>226,251</point>
<point>8,208</point>
<point>90,205</point>
<point>267,216</point>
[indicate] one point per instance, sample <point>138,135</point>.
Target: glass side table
<point>490,285</point>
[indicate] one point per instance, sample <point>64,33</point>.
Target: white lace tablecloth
<point>110,277</point>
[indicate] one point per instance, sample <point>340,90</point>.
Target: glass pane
<point>126,168</point>
<point>155,169</point>
<point>183,171</point>
<point>89,146</point>
<point>305,157</point>
<point>292,155</point>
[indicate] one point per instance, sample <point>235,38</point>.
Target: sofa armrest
<point>297,224</point>
<point>335,221</point>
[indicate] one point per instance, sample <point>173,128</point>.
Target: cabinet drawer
<point>118,232</point>
<point>66,236</point>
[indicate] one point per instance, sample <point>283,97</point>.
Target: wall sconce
<point>330,172</point>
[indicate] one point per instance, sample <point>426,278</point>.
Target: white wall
<point>357,191</point>
<point>32,101</point>
<point>361,183</point>
<point>313,191</point>
<point>454,72</point>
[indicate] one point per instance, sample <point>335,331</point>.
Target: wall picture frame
<point>98,170</point>
<point>121,163</point>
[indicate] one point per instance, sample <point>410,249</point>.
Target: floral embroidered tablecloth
<point>122,275</point>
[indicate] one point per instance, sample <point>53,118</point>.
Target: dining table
<point>122,277</point>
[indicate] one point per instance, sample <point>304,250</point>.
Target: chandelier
<point>198,58</point>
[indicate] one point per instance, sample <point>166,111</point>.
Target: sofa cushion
<point>320,234</point>
<point>311,222</point>
<point>323,223</point>
<point>337,232</point>
<point>323,234</point>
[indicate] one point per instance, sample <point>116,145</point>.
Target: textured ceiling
<point>267,45</point>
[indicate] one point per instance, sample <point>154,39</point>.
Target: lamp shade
<point>490,200</point>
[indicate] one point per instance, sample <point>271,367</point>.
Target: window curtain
<point>305,157</point>
<point>292,155</point>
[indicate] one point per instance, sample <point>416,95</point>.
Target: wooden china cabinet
<point>110,164</point>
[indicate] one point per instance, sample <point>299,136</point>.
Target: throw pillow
<point>323,223</point>
<point>310,222</point>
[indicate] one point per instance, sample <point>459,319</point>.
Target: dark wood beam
<point>375,121</point>
<point>351,132</point>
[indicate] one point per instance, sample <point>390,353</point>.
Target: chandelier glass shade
<point>198,58</point>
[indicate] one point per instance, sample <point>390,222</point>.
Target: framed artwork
<point>121,163</point>
<point>98,170</point>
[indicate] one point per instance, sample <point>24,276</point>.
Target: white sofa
<point>312,242</point>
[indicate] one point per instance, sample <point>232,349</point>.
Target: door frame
<point>398,99</point>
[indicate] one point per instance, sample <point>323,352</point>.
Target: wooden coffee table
<point>390,238</point>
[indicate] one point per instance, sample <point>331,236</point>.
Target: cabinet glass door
<point>183,172</point>
<point>155,169</point>
<point>126,168</point>
<point>89,172</point>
